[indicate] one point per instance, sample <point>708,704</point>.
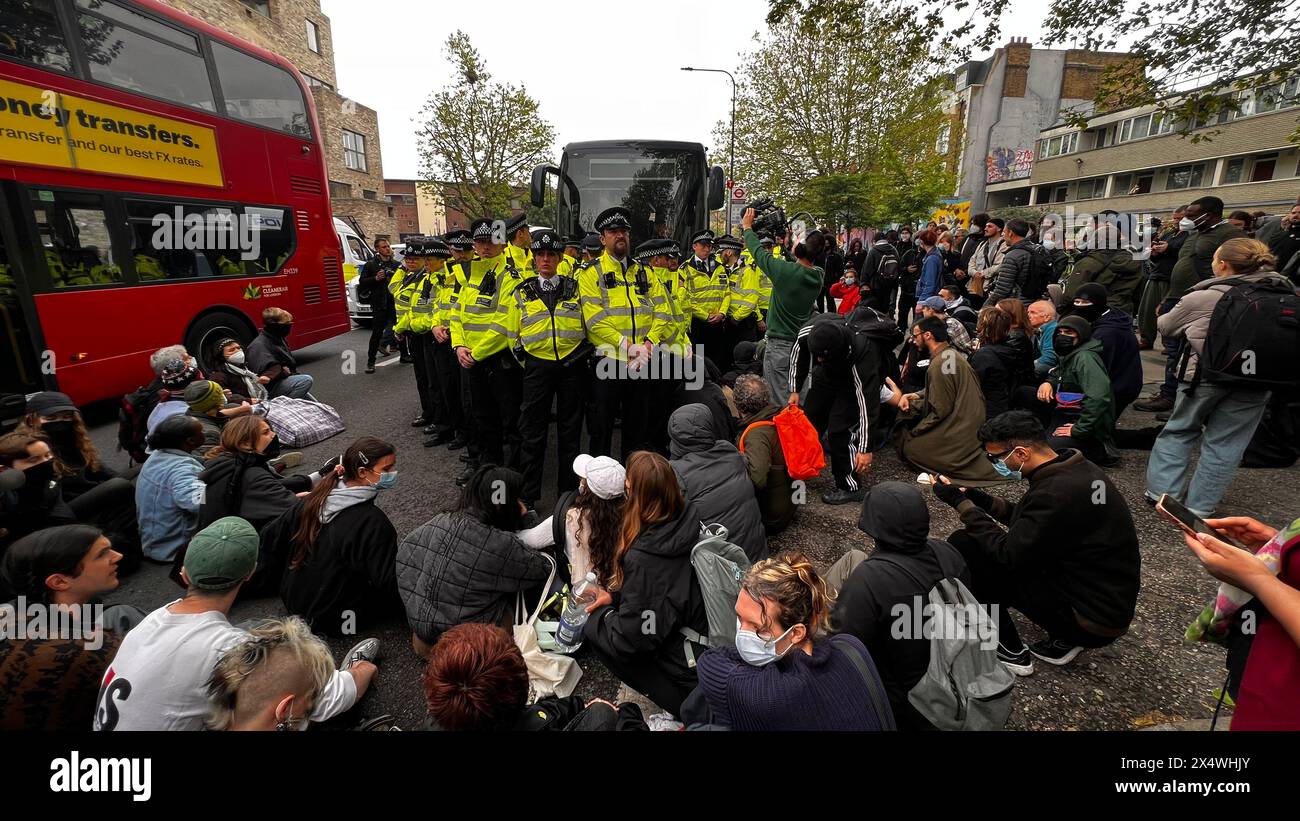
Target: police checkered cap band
<point>547,241</point>
<point>646,250</point>
<point>437,248</point>
<point>613,218</point>
<point>728,244</point>
<point>482,229</point>
<point>460,240</point>
<point>703,236</point>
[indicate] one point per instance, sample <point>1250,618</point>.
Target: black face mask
<point>1090,312</point>
<point>1064,344</point>
<point>279,331</point>
<point>272,450</point>
<point>38,479</point>
<point>62,433</point>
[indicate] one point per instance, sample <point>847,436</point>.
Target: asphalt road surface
<point>1148,677</point>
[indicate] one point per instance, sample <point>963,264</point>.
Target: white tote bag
<point>548,673</point>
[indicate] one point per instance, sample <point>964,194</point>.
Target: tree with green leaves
<point>480,138</point>
<point>828,125</point>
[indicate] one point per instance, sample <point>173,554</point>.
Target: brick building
<point>298,31</point>
<point>402,197</point>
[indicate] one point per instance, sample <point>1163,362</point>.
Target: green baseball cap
<point>221,555</point>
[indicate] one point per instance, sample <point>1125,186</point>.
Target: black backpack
<point>1040,274</point>
<point>866,321</point>
<point>133,419</point>
<point>1252,339</point>
<point>887,270</point>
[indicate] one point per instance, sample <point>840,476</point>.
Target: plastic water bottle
<point>568,637</point>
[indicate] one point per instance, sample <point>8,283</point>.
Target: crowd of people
<point>983,356</point>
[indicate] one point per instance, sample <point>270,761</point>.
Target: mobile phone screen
<point>1174,510</point>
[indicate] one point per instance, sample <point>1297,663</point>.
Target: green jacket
<point>767,471</point>
<point>1117,270</point>
<point>794,290</point>
<point>1195,256</point>
<point>1084,372</point>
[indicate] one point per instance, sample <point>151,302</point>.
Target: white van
<point>355,255</point>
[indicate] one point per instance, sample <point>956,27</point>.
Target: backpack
<point>133,419</point>
<point>866,321</point>
<point>965,687</point>
<point>1039,276</point>
<point>719,566</point>
<point>1252,339</point>
<point>887,270</point>
<point>800,444</point>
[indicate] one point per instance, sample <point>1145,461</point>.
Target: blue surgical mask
<point>387,481</point>
<point>1007,473</point>
<point>758,651</point>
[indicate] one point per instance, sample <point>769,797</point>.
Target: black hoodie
<point>904,566</point>
<point>997,367</point>
<point>243,485</point>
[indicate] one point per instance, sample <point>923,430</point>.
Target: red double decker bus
<point>160,182</point>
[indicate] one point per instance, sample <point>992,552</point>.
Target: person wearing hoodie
<point>1120,353</point>
<point>646,625</point>
<point>784,673</point>
<point>333,555</point>
<point>996,363</point>
<point>761,447</point>
<point>168,490</point>
<point>715,479</point>
<point>847,371</point>
<point>239,480</point>
<point>269,355</point>
<point>881,273</point>
<point>1065,555</point>
<point>1077,398</point>
<point>907,563</point>
<point>744,360</point>
<point>1221,419</point>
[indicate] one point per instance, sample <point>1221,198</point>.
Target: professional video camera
<point>767,217</point>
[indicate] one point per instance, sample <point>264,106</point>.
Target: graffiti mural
<point>1009,164</point>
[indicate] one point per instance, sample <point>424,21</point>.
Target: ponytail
<point>363,453</point>
<point>1246,256</point>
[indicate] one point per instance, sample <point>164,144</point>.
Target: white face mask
<point>1049,244</point>
<point>849,280</point>
<point>236,358</point>
<point>1186,224</point>
<point>757,651</point>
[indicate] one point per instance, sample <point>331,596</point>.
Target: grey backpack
<point>965,687</point>
<point>719,566</point>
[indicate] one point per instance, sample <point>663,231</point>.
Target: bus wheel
<point>210,329</point>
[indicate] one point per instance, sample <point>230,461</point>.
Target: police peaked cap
<point>728,243</point>
<point>434,247</point>
<point>573,242</point>
<point>591,242</point>
<point>547,240</point>
<point>614,218</point>
<point>668,248</point>
<point>481,229</point>
<point>515,223</point>
<point>646,250</point>
<point>704,236</point>
<point>460,240</point>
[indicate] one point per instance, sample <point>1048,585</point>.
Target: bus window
<point>171,240</point>
<point>19,374</point>
<point>76,240</point>
<point>274,241</point>
<point>139,54</point>
<point>260,93</point>
<point>29,31</point>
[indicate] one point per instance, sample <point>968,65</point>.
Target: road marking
<point>392,360</point>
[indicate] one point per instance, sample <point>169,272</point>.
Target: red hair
<point>476,679</point>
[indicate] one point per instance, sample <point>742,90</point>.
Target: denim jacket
<point>167,495</point>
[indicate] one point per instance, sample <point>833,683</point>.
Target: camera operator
<point>373,288</point>
<point>795,286</point>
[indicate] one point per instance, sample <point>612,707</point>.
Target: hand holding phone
<point>1189,522</point>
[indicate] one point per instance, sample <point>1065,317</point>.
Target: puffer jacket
<point>715,478</point>
<point>1083,372</point>
<point>455,569</point>
<point>1013,273</point>
<point>1190,318</point>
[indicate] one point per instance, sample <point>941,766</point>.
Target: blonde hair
<point>1246,256</point>
<point>279,315</point>
<point>791,583</point>
<point>278,658</point>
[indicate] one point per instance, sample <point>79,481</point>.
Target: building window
<point>1056,146</point>
<point>354,150</point>
<point>1185,176</point>
<point>941,145</point>
<point>1270,98</point>
<point>262,7</point>
<point>340,190</point>
<point>1060,194</point>
<point>1263,168</point>
<point>1235,171</point>
<point>1091,189</point>
<point>368,194</point>
<point>1148,125</point>
<point>316,82</point>
<point>1131,184</point>
<point>390,212</point>
<point>313,37</point>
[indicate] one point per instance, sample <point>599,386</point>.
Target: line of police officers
<point>505,325</point>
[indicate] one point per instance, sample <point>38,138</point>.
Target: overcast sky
<point>541,45</point>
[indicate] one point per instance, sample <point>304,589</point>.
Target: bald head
<point>1041,313</point>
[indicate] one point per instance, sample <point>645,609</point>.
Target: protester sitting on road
<point>332,556</point>
<point>592,516</point>
<point>1120,353</point>
<point>784,672</point>
<point>206,401</point>
<point>995,363</point>
<point>714,478</point>
<point>710,392</point>
<point>907,563</point>
<point>271,680</point>
<point>158,680</point>
<point>52,415</point>
<point>654,583</point>
<point>174,369</point>
<point>764,459</point>
<point>1068,556</point>
<point>240,480</point>
<point>945,416</point>
<point>268,355</point>
<point>36,501</point>
<point>234,376</point>
<point>51,681</point>
<point>958,333</point>
<point>1222,419</point>
<point>476,681</point>
<point>469,565</point>
<point>1018,338</point>
<point>1265,697</point>
<point>168,490</point>
<point>744,360</point>
<point>958,307</point>
<point>1077,401</point>
<point>1043,319</point>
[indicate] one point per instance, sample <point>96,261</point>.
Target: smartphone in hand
<point>1187,521</point>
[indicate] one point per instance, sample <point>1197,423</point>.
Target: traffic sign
<point>731,184</point>
<point>738,193</point>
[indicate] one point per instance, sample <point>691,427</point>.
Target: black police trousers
<point>449,411</point>
<point>422,359</point>
<point>613,395</point>
<point>547,383</point>
<point>713,339</point>
<point>495,385</point>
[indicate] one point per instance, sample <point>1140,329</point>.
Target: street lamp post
<point>731,171</point>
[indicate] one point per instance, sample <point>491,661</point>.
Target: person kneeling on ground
<point>783,673</point>
<point>271,680</point>
<point>476,680</point>
<point>1068,559</point>
<point>906,565</point>
<point>761,447</point>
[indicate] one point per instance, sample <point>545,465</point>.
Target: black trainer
<point>419,422</point>
<point>370,367</point>
<point>1154,404</point>
<point>844,497</point>
<point>430,429</point>
<point>1055,651</point>
<point>1020,663</point>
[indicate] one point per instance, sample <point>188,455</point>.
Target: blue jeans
<point>776,369</point>
<point>297,385</point>
<point>1224,421</point>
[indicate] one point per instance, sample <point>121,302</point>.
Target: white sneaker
<point>663,722</point>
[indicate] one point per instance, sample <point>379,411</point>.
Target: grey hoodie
<point>714,477</point>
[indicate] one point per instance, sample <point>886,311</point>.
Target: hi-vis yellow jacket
<point>624,304</point>
<point>521,257</point>
<point>745,292</point>
<point>480,322</point>
<point>677,290</point>
<point>551,332</point>
<point>404,288</point>
<point>710,288</point>
<point>448,284</point>
<point>424,303</point>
